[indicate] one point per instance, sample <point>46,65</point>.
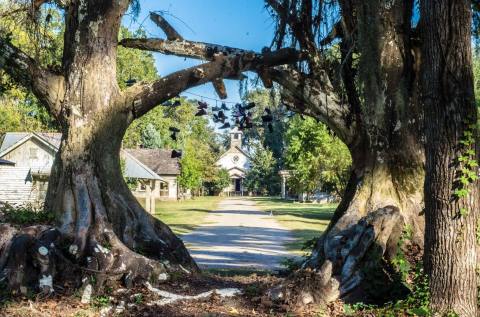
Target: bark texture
<point>372,104</point>
<point>450,118</point>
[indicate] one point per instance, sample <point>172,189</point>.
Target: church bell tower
<point>236,138</point>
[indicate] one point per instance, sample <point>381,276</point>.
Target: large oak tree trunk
<point>451,127</point>
<point>94,206</point>
<point>102,229</point>
<point>381,124</point>
<point>383,198</point>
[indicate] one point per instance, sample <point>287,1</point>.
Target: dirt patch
<point>138,301</point>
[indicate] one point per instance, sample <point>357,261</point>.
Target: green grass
<point>306,220</point>
<point>184,216</point>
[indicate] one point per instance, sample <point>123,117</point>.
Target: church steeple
<point>236,138</point>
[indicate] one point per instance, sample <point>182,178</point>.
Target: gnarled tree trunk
<point>373,107</point>
<point>101,226</point>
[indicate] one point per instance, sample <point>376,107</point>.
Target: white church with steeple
<point>237,162</point>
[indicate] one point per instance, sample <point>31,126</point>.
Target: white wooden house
<point>27,158</point>
<point>237,162</point>
<point>31,155</point>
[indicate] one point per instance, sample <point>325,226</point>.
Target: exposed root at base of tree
<point>40,259</point>
<point>168,298</point>
<point>348,256</point>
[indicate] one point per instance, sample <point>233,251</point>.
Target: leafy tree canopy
<point>317,159</point>
<point>263,176</point>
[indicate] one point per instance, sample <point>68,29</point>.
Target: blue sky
<point>239,23</point>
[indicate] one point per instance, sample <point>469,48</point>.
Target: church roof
<point>239,149</point>
<point>158,160</point>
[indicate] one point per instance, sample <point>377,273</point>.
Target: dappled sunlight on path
<point>238,235</point>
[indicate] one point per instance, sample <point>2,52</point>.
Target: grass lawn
<point>184,216</point>
<point>306,220</point>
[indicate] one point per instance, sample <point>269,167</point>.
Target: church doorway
<point>238,184</point>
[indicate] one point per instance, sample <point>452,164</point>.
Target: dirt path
<point>239,235</point>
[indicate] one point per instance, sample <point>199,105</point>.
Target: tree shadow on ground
<point>238,247</point>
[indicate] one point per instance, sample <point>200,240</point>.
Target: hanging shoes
<point>176,154</point>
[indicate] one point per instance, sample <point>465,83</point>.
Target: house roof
<point>5,162</point>
<point>158,160</point>
<point>136,169</point>
<point>12,140</point>
<point>140,163</point>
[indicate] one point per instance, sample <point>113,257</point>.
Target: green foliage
<point>416,304</point>
<point>219,181</point>
<point>25,215</point>
<point>22,115</point>
<point>138,298</point>
<point>20,110</point>
<point>317,159</point>
<point>196,139</point>
<point>191,172</point>
<point>399,261</point>
<point>133,63</point>
<point>263,175</point>
<point>468,166</point>
<point>100,301</point>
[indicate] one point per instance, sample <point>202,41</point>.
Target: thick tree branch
<point>169,30</point>
<point>184,48</point>
<point>139,99</point>
<point>219,87</point>
<point>316,98</point>
<point>47,86</point>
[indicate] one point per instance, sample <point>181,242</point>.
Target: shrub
<point>25,214</point>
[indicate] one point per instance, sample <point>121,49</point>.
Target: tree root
<point>168,298</point>
<point>343,266</point>
<point>39,257</point>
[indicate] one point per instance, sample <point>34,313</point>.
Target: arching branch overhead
<point>315,98</point>
<point>143,97</point>
<point>225,63</point>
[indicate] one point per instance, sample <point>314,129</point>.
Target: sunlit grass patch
<point>183,216</point>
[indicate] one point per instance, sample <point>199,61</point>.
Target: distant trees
<point>191,172</point>
<point>219,180</point>
<point>318,160</point>
<point>262,178</point>
<point>273,139</point>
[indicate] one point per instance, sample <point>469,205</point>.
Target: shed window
<point>163,189</point>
